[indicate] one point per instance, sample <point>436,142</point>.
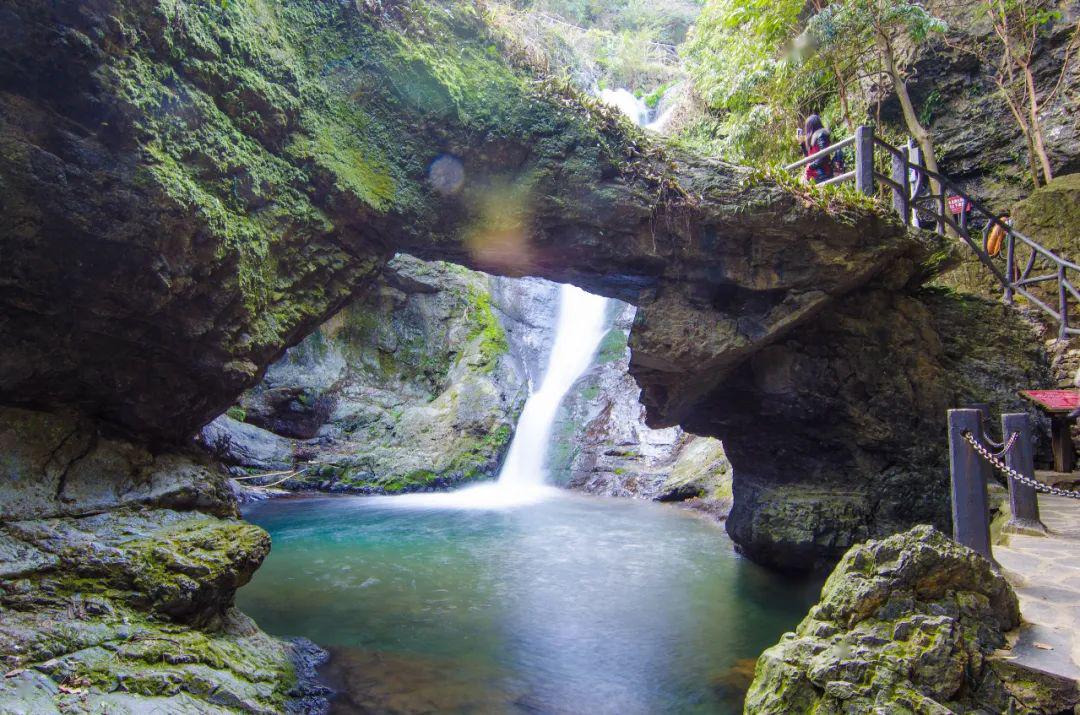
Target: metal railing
<point>916,202</point>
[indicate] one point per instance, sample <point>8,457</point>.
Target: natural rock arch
<point>189,188</point>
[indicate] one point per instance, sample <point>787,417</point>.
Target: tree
<point>1017,27</point>
<point>739,56</point>
<point>851,31</point>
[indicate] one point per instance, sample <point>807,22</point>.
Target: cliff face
<point>412,387</point>
<point>602,443</point>
<point>979,143</point>
<point>193,187</point>
<point>118,570</point>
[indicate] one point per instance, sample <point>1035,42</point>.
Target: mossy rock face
<point>226,176</point>
<point>1050,216</point>
<point>132,610</point>
<point>909,623</point>
<point>191,187</point>
<point>412,387</point>
<point>839,436</point>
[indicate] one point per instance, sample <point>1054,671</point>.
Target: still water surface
<point>570,605</point>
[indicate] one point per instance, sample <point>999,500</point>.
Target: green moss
<point>613,346</point>
<point>237,413</point>
<point>486,328</point>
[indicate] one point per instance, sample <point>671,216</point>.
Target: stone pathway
<point>1045,571</point>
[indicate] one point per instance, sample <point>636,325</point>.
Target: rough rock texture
<point>191,187</point>
<point>978,141</point>
<point>118,569</point>
<point>1051,216</point>
<point>63,465</point>
<point>861,396</point>
<point>601,442</point>
<point>413,387</point>
<point>906,624</point>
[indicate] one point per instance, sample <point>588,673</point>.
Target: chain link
<point>995,460</point>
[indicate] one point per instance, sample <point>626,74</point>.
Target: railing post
<point>984,420</point>
<point>970,512</point>
<point>1063,304</point>
<point>864,159</point>
<point>901,197</point>
<point>1023,500</point>
<point>1010,266</point>
<point>943,206</point>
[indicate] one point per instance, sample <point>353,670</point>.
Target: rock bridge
<point>189,188</point>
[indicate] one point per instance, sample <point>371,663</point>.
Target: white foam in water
<point>522,480</point>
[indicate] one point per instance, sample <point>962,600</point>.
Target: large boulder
<point>1051,216</point>
<point>131,611</point>
<point>906,624</point>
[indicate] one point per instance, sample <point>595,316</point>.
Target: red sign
<point>957,204</point>
<point>1054,400</point>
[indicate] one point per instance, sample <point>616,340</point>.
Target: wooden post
<point>983,409</point>
<point>1010,266</point>
<point>1023,500</point>
<point>902,196</point>
<point>970,513</point>
<point>1061,443</point>
<point>943,206</point>
<point>1063,304</point>
<point>864,159</point>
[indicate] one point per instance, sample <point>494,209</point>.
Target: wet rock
<point>912,621</point>
<point>130,611</point>
<point>839,436</point>
<point>245,445</point>
<point>415,387</point>
<point>63,464</point>
<point>602,444</point>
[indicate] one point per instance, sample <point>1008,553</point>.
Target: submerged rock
<point>910,623</point>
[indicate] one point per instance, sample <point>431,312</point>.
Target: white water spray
<point>578,332</point>
<point>579,329</point>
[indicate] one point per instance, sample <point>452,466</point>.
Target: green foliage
<point>612,347</point>
<point>739,56</point>
<point>761,67</point>
<point>237,413</point>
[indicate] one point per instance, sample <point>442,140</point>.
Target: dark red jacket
<point>822,169</point>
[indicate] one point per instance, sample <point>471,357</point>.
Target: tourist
<point>814,139</point>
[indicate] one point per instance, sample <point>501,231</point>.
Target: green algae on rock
<point>908,624</point>
<point>410,388</point>
<point>132,609</point>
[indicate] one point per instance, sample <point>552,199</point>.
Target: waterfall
<point>578,332</point>
<point>579,328</point>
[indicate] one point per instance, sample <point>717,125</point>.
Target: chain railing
<point>921,195</point>
<point>994,458</point>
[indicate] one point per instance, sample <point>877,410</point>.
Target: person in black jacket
<point>815,139</point>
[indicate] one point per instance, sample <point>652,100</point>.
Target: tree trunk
<point>1036,124</point>
<point>1024,129</point>
<point>911,118</point>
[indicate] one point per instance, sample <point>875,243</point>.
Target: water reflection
<point>572,605</point>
